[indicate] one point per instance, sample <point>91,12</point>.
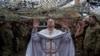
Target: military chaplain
<point>50,41</point>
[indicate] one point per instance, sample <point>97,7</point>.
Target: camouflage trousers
<point>79,51</point>
<point>7,51</point>
<point>89,52</point>
<point>21,46</point>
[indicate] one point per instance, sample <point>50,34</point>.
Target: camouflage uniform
<point>79,42</point>
<point>8,35</point>
<point>1,40</point>
<point>92,40</point>
<point>97,47</point>
<point>79,46</point>
<point>22,39</point>
<point>17,37</point>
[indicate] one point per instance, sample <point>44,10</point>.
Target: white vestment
<point>57,43</point>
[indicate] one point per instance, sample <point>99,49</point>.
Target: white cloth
<point>64,44</point>
<point>55,33</point>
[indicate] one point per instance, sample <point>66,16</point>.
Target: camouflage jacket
<point>92,38</point>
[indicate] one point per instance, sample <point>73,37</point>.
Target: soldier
<point>1,39</point>
<point>25,32</point>
<point>2,19</point>
<point>17,36</point>
<point>79,37</point>
<point>92,38</point>
<point>7,37</point>
<point>30,27</point>
<point>22,39</point>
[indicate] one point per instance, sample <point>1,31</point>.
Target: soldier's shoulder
<point>98,27</point>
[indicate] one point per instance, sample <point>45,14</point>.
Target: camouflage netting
<point>40,13</point>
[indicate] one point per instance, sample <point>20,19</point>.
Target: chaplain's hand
<point>65,24</point>
<point>35,23</point>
